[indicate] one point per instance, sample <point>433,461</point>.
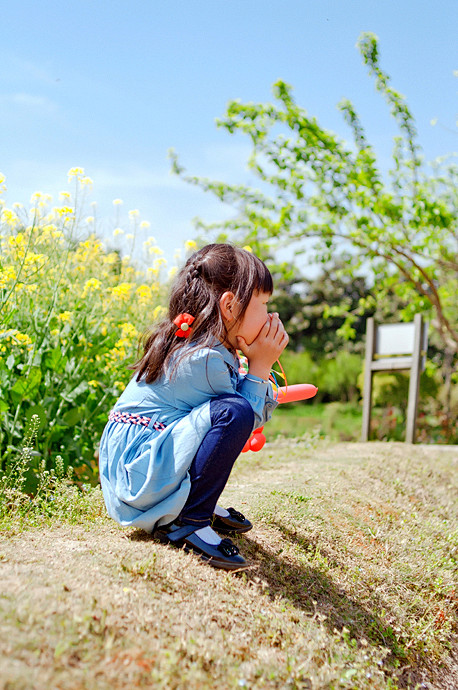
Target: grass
<point>335,421</point>
<point>353,584</point>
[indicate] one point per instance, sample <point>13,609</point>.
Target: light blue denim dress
<point>144,471</point>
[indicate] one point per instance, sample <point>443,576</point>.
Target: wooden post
<point>414,383</point>
<point>367,393</point>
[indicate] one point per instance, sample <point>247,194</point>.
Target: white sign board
<point>394,339</point>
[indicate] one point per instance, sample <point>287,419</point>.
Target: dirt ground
<point>94,606</point>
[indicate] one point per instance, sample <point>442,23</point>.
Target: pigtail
<point>156,345</point>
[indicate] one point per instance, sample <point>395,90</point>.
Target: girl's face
<point>252,321</point>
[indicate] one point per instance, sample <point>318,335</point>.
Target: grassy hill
<point>353,584</point>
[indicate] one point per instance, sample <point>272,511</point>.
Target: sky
<point>112,85</point>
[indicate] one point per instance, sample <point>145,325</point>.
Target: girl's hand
<point>266,348</point>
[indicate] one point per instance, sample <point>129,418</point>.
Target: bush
<point>339,376</point>
<point>335,378</point>
<point>299,368</point>
<point>70,311</point>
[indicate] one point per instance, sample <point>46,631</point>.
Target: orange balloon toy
<point>286,394</point>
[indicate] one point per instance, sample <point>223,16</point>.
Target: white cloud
<point>29,102</point>
<point>26,69</point>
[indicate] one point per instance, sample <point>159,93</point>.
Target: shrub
<point>339,376</point>
<point>70,314</point>
<point>299,367</point>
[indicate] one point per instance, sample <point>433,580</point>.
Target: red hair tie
<point>183,321</point>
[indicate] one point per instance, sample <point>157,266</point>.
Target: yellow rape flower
<point>63,210</point>
<point>65,316</point>
<point>36,197</point>
<point>92,243</point>
<point>117,202</point>
<point>155,250</point>
<point>145,225</point>
<point>247,248</point>
<point>32,259</point>
<point>190,246</point>
<point>86,181</point>
<point>94,384</point>
<point>17,337</point>
<point>9,217</point>
<point>128,330</point>
<point>7,275</point>
<point>18,241</point>
<point>158,263</point>
<point>173,271</point>
<point>143,293</point>
<point>23,338</point>
<point>75,172</point>
<point>134,213</point>
<point>111,258</point>
<point>159,312</point>
<point>119,351</point>
<point>89,250</point>
<point>50,232</point>
<point>91,285</point>
<point>118,231</point>
<point>122,291</point>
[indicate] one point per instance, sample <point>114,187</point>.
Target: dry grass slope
<point>353,585</point>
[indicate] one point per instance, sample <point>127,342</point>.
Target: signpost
<point>395,347</point>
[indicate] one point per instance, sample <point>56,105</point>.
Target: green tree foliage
<point>311,309</point>
<point>316,190</point>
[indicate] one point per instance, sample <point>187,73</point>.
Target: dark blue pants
<point>232,421</point>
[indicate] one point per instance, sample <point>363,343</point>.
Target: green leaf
<point>73,416</point>
<point>26,386</point>
<point>55,360</point>
<point>71,396</point>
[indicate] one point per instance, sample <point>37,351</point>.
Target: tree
<point>311,309</point>
<point>400,229</point>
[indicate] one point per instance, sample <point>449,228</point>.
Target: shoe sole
<point>234,530</point>
<point>222,565</point>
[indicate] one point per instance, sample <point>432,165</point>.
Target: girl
<point>176,431</point>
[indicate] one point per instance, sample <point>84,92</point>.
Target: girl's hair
<point>206,276</point>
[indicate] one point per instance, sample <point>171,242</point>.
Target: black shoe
<point>234,523</point>
<point>225,555</point>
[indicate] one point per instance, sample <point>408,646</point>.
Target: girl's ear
<point>227,304</point>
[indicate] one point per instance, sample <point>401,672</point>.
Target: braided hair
<point>197,289</point>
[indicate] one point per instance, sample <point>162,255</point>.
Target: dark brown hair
<point>197,289</point>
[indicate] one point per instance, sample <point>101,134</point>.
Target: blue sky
<point>111,85</point>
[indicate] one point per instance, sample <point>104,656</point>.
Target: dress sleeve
<point>260,395</point>
<point>206,374</point>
